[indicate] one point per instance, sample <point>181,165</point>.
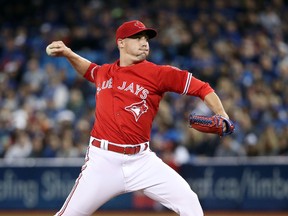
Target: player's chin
<point>142,56</point>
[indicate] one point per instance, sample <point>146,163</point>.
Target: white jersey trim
<point>188,81</point>
<point>92,71</point>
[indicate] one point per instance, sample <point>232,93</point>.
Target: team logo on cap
<point>137,109</point>
<point>139,24</point>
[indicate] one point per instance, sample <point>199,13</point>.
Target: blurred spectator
<point>52,145</point>
<point>229,147</point>
<point>20,147</point>
<point>268,143</point>
<point>35,76</point>
<point>283,141</point>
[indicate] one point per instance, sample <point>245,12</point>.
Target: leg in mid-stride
<point>162,184</point>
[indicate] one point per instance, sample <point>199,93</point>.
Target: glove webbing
<point>203,121</point>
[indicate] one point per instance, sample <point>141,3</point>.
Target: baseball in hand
<point>49,50</point>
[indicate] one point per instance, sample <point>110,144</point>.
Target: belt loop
<point>104,144</point>
<point>91,140</point>
<point>144,146</point>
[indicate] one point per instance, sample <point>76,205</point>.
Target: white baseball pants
<point>107,174</point>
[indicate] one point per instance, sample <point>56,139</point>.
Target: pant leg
<point>100,180</point>
<point>161,183</point>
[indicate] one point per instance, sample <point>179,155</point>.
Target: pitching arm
<point>59,49</point>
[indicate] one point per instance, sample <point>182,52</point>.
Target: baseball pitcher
<point>128,92</point>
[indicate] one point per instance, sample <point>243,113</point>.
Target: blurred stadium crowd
<point>239,47</point>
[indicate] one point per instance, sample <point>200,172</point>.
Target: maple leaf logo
<point>139,24</point>
<point>137,109</point>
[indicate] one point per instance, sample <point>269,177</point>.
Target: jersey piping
<point>188,81</point>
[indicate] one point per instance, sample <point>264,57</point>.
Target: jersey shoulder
<point>149,64</point>
<point>160,67</point>
<point>170,67</point>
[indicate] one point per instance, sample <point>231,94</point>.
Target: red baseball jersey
<point>127,98</point>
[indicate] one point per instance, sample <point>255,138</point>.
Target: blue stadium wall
<point>221,184</point>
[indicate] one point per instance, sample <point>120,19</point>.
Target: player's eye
<point>139,36</point>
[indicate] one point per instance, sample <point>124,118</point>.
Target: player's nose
<point>143,40</point>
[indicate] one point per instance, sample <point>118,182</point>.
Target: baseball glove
<point>215,124</point>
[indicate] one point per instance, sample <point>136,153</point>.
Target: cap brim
<point>151,33</point>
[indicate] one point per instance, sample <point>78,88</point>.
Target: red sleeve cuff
<point>90,73</point>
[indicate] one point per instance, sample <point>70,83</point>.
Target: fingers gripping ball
<point>215,124</point>
<point>49,50</point>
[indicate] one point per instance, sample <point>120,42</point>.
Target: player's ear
<point>120,43</point>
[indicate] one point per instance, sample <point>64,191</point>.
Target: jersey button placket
<point>115,84</point>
